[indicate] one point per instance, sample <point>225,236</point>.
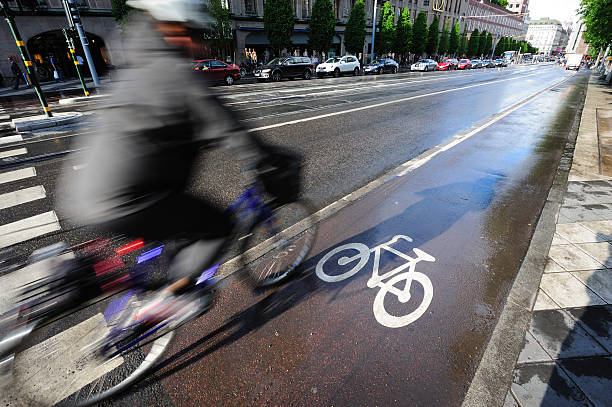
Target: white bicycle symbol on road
<point>403,295</point>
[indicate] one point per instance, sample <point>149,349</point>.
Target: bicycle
<point>118,353</point>
<point>377,280</point>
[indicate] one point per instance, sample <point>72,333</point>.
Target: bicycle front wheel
<point>276,246</point>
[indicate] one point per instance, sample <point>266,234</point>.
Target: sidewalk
<point>50,88</point>
<point>567,354</point>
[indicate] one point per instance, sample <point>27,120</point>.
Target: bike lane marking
<point>233,265</point>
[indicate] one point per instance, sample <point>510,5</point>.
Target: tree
<point>403,33</point>
<point>472,49</point>
<point>597,17</point>
<point>503,3</point>
<point>278,23</point>
<point>463,44</point>
<point>444,40</point>
<point>433,36</point>
<point>355,31</point>
<point>221,34</point>
<point>482,43</point>
<point>454,40</point>
<point>120,10</point>
<point>419,34</point>
<point>501,46</point>
<point>322,25</point>
<point>386,30</point>
<point>489,44</point>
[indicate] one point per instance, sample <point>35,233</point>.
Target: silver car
<point>424,65</point>
<point>476,63</point>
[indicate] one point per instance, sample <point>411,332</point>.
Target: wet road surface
<point>472,207</point>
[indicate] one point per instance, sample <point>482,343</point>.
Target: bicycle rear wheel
<point>276,246</point>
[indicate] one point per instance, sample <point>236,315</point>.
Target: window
<point>216,64</point>
<point>203,65</point>
<point>250,7</point>
<point>305,8</point>
<point>426,2</point>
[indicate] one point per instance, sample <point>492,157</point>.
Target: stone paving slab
<point>532,351</point>
<point>562,337</point>
<point>579,233</point>
<point>598,281</point>
<point>593,376</point>
<point>546,385</point>
<point>597,321</point>
<point>568,291</point>
<point>571,258</point>
<point>543,301</point>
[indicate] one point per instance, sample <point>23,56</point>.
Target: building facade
<point>249,34</point>
<point>547,35</point>
<point>518,6</point>
<point>495,19</point>
<point>576,42</point>
<point>40,23</point>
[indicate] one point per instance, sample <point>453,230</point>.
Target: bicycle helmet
<point>188,12</point>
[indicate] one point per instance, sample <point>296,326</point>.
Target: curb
<point>71,101</point>
<point>494,373</point>
<point>42,121</point>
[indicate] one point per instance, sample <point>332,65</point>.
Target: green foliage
<point>120,10</point>
<point>419,34</point>
<point>482,43</point>
<point>473,44</point>
<point>322,25</point>
<point>597,17</point>
<point>444,41</point>
<point>278,23</point>
<point>433,36</point>
<point>489,44</point>
<point>501,46</point>
<point>386,30</point>
<point>463,44</point>
<point>503,3</point>
<point>454,40</point>
<point>355,31</point>
<point>403,33</point>
<point>221,33</point>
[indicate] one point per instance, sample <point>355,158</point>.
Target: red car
<point>218,71</point>
<point>447,65</point>
<point>464,64</point>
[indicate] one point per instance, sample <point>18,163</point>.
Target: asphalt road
<point>472,205</point>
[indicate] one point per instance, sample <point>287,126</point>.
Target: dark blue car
<point>382,65</point>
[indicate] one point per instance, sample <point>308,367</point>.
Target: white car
<point>338,66</point>
<point>424,65</point>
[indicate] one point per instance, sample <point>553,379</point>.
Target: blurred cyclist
<point>146,143</point>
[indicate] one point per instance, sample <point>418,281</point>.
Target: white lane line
<point>79,167</point>
<point>50,371</point>
<point>11,153</point>
<point>17,175</point>
<point>10,139</point>
<point>376,105</point>
<point>22,196</point>
<point>231,266</point>
<point>28,228</point>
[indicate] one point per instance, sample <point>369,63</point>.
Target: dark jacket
<point>147,135</point>
<point>15,69</point>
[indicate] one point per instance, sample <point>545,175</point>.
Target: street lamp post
<point>373,31</point>
<point>74,20</point>
<point>8,16</point>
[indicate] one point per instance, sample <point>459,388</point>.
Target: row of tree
<point>597,18</point>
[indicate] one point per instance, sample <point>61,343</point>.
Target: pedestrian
<point>57,73</point>
<point>16,70</point>
<point>315,61</point>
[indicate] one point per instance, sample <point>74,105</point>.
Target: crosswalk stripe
<point>17,175</point>
<point>28,228</point>
<point>11,153</point>
<point>10,139</point>
<point>22,196</point>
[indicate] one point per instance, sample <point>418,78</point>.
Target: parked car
<point>464,64</point>
<point>338,66</point>
<point>218,71</point>
<point>424,65</point>
<point>476,63</point>
<point>379,66</point>
<point>500,63</point>
<point>286,67</point>
<point>447,65</point>
<point>486,63</point>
